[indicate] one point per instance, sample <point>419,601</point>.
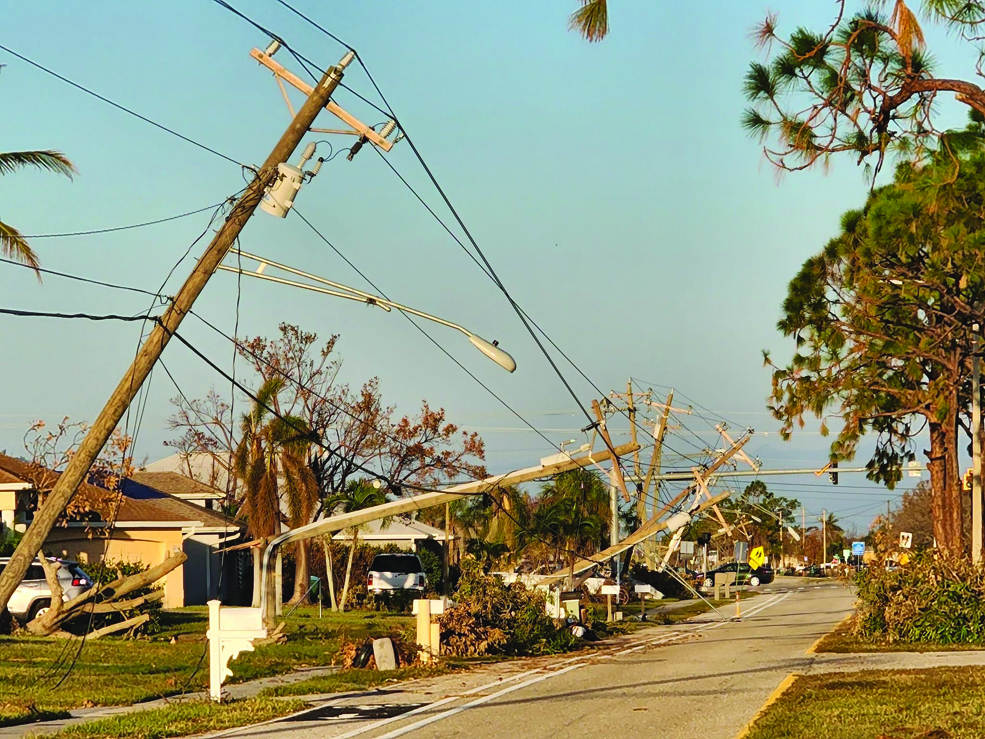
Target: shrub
<point>933,599</point>
<point>491,617</point>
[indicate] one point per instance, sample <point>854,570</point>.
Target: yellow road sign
<point>757,557</point>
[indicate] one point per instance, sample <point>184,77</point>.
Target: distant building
<point>404,534</point>
<point>209,469</point>
<point>149,523</point>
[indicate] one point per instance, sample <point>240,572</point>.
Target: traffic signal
<point>704,539</point>
<point>833,473</point>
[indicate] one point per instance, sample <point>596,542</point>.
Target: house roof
<point>178,485</point>
<point>397,530</point>
<point>139,501</point>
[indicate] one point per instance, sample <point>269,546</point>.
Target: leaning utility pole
<point>108,419</point>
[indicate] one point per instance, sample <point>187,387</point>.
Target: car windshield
<point>396,563</point>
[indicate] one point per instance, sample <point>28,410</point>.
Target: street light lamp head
<point>493,351</point>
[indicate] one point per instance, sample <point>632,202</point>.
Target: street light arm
<point>490,349</point>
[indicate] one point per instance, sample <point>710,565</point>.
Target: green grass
<point>841,640</point>
<point>938,703</point>
<point>351,680</point>
<point>118,672</point>
<point>182,719</point>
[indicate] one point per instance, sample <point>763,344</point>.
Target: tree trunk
<point>954,499</point>
<point>300,574</point>
<point>257,573</point>
<point>348,569</point>
<point>329,572</point>
<point>945,484</point>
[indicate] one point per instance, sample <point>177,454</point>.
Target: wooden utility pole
<point>656,457</point>
<point>80,463</point>
<point>616,480</point>
<point>824,535</point>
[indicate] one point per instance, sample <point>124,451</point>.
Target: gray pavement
<point>707,678</point>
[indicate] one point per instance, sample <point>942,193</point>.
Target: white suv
<point>390,572</point>
<point>33,596</point>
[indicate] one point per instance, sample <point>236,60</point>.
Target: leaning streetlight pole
<point>78,467</point>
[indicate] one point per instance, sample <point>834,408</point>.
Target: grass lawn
<point>841,640</point>
<point>941,702</point>
<point>119,672</point>
<point>182,719</point>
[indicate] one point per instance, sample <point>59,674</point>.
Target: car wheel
<point>754,581</point>
<point>38,608</point>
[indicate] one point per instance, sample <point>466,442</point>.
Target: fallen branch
<point>126,605</point>
<point>51,621</point>
<point>131,623</point>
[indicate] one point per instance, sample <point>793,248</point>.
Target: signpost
<point>858,551</point>
<point>905,539</point>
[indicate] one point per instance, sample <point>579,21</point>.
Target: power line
<point>123,228</point>
<point>86,316</point>
<point>428,335</point>
<point>79,278</point>
<point>116,105</point>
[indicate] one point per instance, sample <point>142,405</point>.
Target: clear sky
<point>610,185</point>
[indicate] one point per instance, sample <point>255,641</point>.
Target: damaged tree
<point>101,600</point>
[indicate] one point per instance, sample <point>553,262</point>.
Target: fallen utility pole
<point>548,467</point>
<point>80,463</point>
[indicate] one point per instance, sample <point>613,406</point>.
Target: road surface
<point>704,679</point>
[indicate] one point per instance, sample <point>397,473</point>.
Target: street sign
<point>757,558</point>
<point>905,539</point>
<point>687,548</point>
<point>858,548</point>
<point>846,553</point>
<point>742,551</point>
<point>913,472</point>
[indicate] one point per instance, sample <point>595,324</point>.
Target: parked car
<point>33,596</point>
<point>395,572</point>
<point>746,575</point>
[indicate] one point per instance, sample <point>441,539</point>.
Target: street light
<point>490,349</point>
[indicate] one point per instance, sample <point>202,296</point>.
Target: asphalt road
<point>704,679</point>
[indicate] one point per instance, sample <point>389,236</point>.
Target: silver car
<point>33,596</point>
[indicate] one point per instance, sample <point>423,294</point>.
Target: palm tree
<point>272,461</point>
<point>591,20</point>
<point>13,245</point>
<point>357,496</point>
<point>573,515</point>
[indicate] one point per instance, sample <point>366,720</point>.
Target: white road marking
<point>472,704</point>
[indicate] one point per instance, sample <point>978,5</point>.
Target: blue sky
<point>610,185</point>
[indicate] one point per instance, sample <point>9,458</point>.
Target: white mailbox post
<point>428,633</point>
<point>231,631</point>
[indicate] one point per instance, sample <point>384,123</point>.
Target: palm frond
<point>591,20</point>
<point>14,246</point>
<point>52,161</point>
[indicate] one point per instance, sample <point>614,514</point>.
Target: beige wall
<point>148,546</point>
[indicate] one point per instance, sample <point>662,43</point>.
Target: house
<point>209,469</point>
<point>405,534</point>
<point>182,487</point>
<point>148,523</point>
